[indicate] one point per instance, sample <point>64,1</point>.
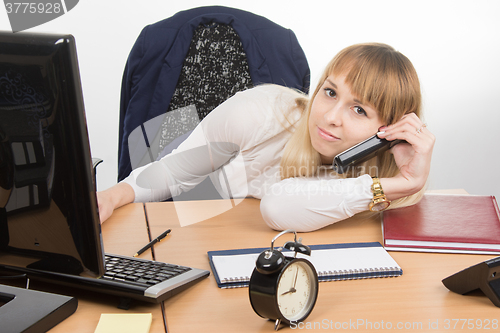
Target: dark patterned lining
<point>215,68</point>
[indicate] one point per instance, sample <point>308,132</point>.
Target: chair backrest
<point>183,67</point>
<point>215,68</point>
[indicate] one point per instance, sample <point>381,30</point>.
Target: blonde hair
<point>379,76</point>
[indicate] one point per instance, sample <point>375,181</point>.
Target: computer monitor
<point>49,222</point>
<point>48,209</point>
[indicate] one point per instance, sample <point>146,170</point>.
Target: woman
<point>273,143</point>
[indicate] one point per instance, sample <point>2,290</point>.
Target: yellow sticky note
<point>124,323</point>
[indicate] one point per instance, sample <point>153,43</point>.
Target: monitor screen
<point>48,209</point>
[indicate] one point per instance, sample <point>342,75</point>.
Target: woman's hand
<point>412,158</point>
<point>105,204</point>
<point>112,198</point>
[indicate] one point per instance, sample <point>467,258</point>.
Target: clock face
<point>297,290</point>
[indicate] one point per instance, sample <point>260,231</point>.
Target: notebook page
<point>351,259</point>
<point>238,266</point>
<point>337,259</point>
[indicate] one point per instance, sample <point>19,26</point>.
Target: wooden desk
<point>416,301</point>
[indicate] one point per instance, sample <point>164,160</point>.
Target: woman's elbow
<point>270,210</point>
<point>281,214</point>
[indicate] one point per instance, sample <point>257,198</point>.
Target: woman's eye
<point>358,110</point>
<point>330,92</point>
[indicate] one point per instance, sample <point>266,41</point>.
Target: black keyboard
<point>142,279</point>
<point>144,273</point>
<point>132,278</point>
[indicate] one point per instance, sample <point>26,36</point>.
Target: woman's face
<point>338,120</point>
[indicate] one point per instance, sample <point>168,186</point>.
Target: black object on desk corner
<point>484,276</point>
<point>33,311</point>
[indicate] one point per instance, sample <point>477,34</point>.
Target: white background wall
<point>454,45</point>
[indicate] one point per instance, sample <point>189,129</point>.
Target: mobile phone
<point>361,152</point>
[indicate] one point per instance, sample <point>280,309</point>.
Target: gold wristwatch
<point>379,201</point>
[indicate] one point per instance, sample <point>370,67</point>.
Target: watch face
<point>380,206</point>
<point>297,290</point>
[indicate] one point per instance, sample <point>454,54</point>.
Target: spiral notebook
<point>333,262</point>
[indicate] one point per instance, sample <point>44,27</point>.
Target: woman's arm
<point>243,121</point>
<point>308,204</point>
<point>175,173</point>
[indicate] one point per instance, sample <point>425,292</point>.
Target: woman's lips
<point>327,136</point>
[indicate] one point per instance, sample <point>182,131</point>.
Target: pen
<point>153,242</point>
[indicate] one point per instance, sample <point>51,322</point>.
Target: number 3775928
<point>33,7</point>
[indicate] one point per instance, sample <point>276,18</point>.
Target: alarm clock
<point>284,288</point>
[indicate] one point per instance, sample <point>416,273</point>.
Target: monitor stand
<point>30,311</point>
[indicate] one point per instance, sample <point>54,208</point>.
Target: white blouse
<point>239,145</point>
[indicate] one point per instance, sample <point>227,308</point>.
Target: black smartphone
<point>361,152</point>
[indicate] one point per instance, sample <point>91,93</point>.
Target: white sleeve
<point>179,171</point>
<point>306,204</point>
<point>242,121</point>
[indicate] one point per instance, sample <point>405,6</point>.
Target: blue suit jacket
<point>155,62</point>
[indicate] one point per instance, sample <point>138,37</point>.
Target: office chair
<point>182,67</point>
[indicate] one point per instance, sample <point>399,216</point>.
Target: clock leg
<point>277,324</point>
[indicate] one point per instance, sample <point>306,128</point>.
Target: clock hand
<point>292,290</point>
<point>295,281</point>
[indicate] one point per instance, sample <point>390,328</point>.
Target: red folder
<point>450,223</point>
